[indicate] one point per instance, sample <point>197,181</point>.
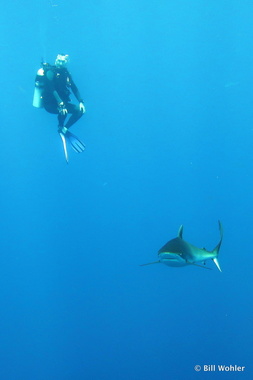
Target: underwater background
<point>168,90</point>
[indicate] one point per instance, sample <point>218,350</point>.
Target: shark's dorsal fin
<point>180,232</point>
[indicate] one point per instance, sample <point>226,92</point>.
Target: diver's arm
<point>50,78</point>
<point>57,97</point>
<point>77,94</point>
<point>61,105</point>
<point>75,90</point>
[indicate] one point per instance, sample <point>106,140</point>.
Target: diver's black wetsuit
<point>58,83</point>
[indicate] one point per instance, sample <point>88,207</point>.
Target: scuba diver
<point>53,87</point>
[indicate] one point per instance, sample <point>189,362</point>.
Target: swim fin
<point>64,146</point>
<point>75,143</point>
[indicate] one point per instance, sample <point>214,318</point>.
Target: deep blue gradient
<point>168,88</point>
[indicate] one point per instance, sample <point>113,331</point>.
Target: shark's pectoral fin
<point>154,262</point>
<point>198,265</point>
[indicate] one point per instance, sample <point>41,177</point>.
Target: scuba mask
<point>61,60</point>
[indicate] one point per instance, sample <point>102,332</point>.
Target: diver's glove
<point>82,107</point>
<point>62,109</point>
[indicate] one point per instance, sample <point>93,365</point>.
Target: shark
<point>178,252</point>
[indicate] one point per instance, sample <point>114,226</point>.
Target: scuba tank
<point>39,88</point>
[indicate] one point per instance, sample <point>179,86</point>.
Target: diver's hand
<point>62,109</point>
<point>82,107</point>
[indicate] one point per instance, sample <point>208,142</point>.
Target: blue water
<point>168,88</point>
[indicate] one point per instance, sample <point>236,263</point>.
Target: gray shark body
<point>177,252</point>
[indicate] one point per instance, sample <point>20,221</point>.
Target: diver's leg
<point>53,108</point>
<point>74,141</point>
<point>75,112</point>
<point>61,119</point>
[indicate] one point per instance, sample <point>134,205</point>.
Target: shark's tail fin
<point>217,248</point>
